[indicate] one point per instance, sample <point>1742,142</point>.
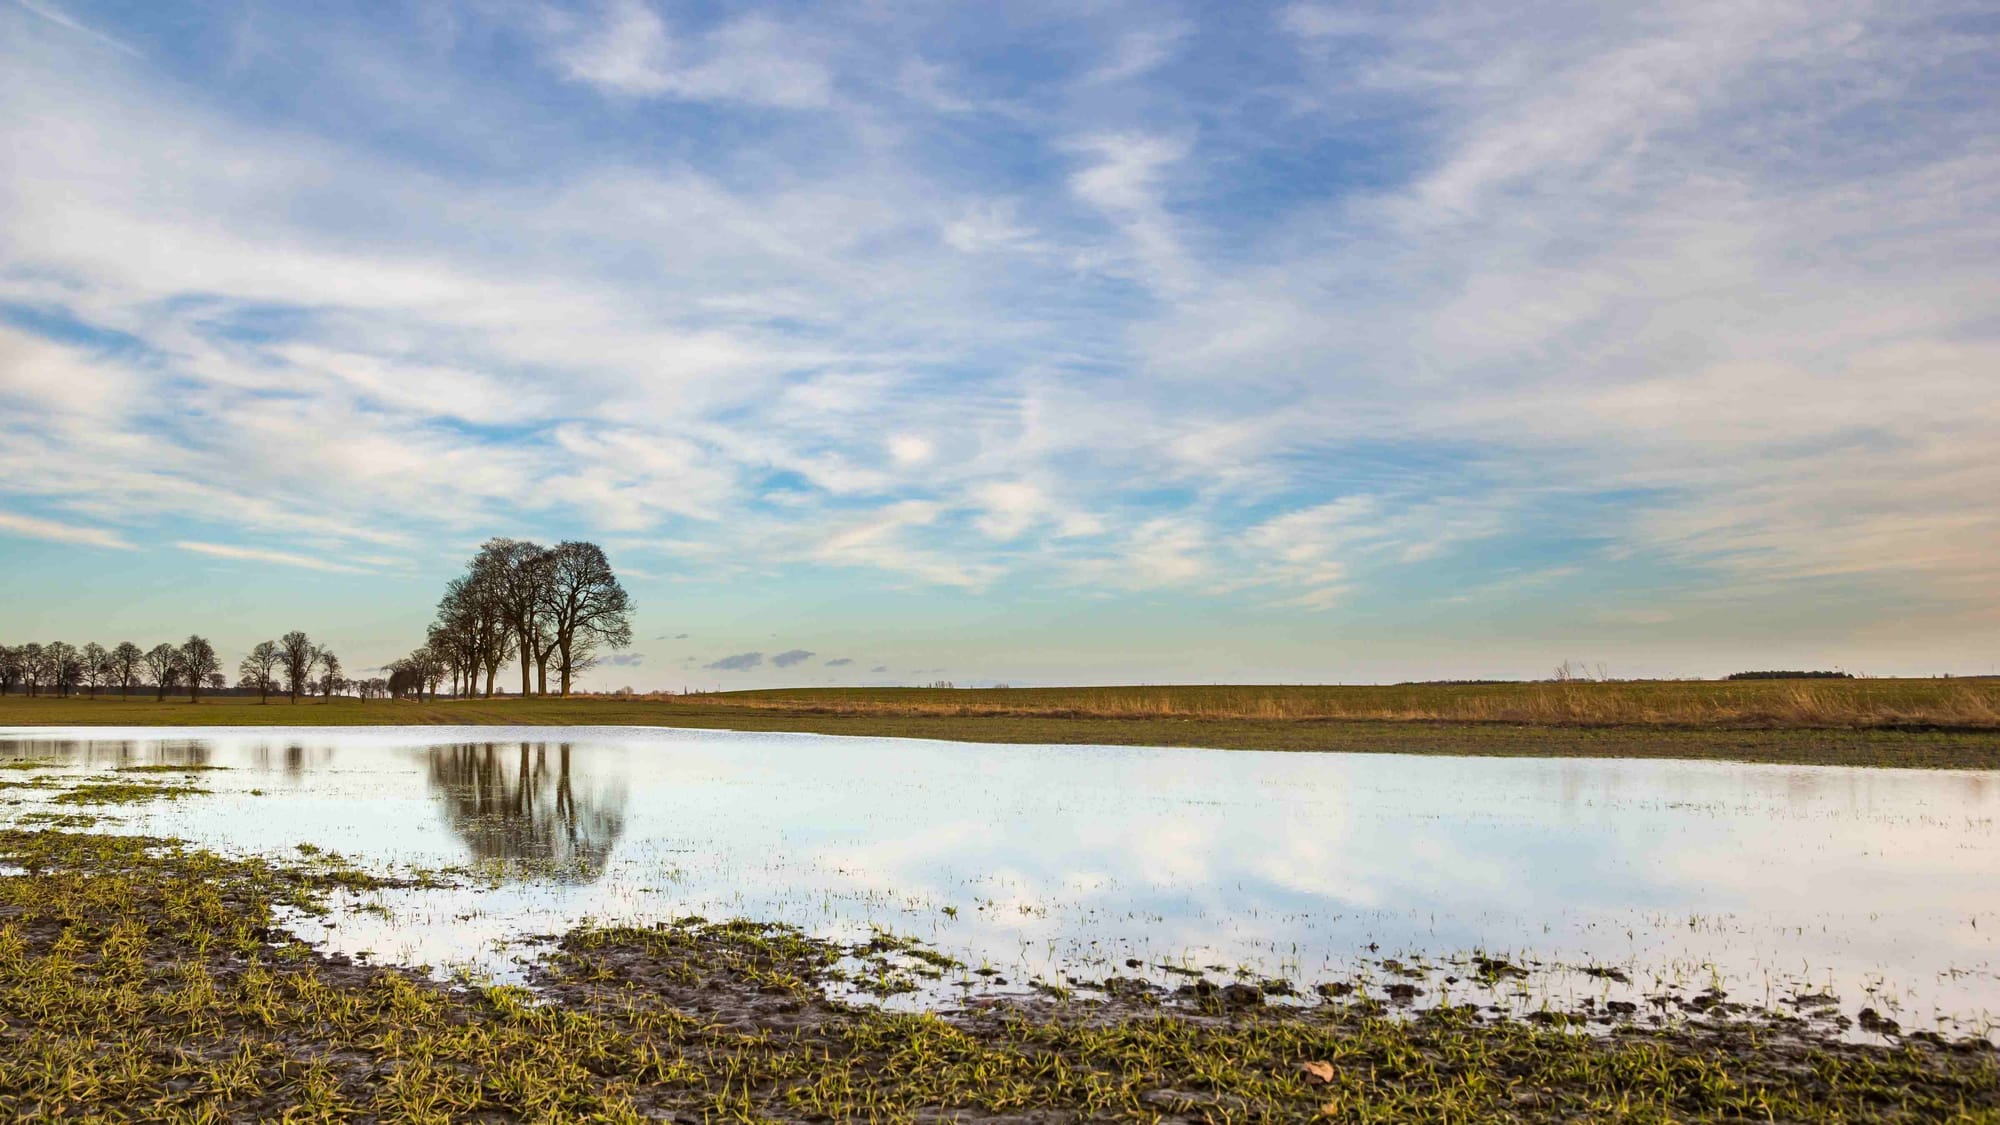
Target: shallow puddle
<point>1606,880</point>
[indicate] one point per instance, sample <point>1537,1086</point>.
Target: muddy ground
<point>143,980</point>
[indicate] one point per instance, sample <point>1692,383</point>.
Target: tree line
<point>545,608</point>
<point>521,603</point>
<point>62,669</point>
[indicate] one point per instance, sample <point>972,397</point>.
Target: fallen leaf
<point>1318,1073</point>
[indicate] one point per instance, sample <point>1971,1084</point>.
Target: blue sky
<point>1034,343</point>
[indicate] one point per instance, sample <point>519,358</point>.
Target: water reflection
<point>523,808</point>
<point>1876,885</point>
<point>113,752</point>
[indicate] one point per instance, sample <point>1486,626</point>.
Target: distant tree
<point>34,668</point>
<point>1791,675</point>
<point>417,673</point>
<point>402,679</point>
<point>65,666</point>
<point>584,606</point>
<point>217,681</point>
<point>10,668</point>
<point>163,664</point>
<point>127,660</point>
<point>257,667</point>
<point>296,653</point>
<point>95,664</point>
<point>198,662</point>
<point>329,673</point>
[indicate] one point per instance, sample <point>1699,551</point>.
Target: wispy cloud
<point>259,554</point>
<point>790,657</point>
<point>54,14</point>
<point>627,48</point>
<point>741,662</point>
<point>35,527</point>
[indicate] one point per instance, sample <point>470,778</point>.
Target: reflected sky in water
<point>1883,885</point>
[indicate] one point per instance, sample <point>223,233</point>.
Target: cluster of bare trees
<point>520,602</point>
<point>60,668</point>
<point>306,668</point>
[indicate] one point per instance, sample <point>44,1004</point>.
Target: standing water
<point>1064,864</point>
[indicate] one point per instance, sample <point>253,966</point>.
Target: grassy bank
<point>1055,716</point>
<point>141,980</point>
<point>1735,703</point>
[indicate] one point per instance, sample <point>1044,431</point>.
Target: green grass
<point>143,980</point>
<point>1917,723</point>
<point>125,793</point>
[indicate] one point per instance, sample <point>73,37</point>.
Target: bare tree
<point>95,666</point>
<point>34,668</point>
<point>257,667</point>
<point>473,616</point>
<point>418,672</point>
<point>198,663</point>
<point>329,673</point>
<point>585,607</point>
<point>296,651</point>
<point>163,664</point>
<point>10,668</point>
<point>126,661</point>
<point>403,679</point>
<point>518,570</point>
<point>63,666</point>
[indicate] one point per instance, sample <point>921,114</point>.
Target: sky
<point>1025,343</point>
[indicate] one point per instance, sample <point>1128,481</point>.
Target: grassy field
<point>1921,723</point>
<point>1739,703</point>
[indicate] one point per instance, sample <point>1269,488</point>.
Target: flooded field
<point>1519,884</point>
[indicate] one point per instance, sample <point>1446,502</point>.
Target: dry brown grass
<point>1756,703</point>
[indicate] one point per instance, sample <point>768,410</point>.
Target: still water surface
<point>1880,886</point>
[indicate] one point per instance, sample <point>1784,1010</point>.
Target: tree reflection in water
<point>525,814</point>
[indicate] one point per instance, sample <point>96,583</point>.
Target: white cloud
<point>879,540</point>
<point>35,527</point>
<point>910,449</point>
<point>1124,180</point>
<point>1140,52</point>
<point>1010,508</point>
<point>259,554</point>
<point>630,50</point>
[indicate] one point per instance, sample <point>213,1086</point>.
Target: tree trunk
<point>542,676</point>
